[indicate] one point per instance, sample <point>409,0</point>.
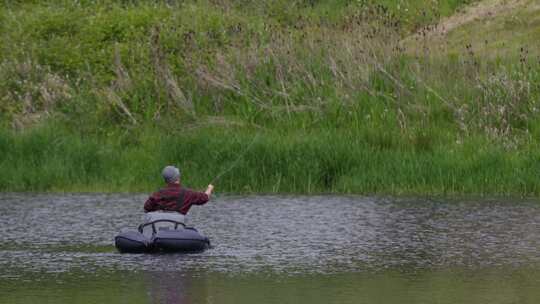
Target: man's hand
<point>209,190</point>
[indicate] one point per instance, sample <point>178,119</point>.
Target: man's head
<point>171,174</point>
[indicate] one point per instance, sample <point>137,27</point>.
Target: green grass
<point>99,96</point>
<point>338,161</point>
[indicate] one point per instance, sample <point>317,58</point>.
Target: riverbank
<point>313,98</point>
<point>320,161</point>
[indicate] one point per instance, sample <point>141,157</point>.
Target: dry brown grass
<point>35,92</point>
<point>345,60</point>
<point>166,79</point>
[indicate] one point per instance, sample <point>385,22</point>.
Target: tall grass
<point>99,96</point>
<point>53,159</point>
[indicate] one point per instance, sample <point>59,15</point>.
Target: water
<point>275,249</point>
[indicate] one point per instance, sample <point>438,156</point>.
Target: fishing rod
<point>236,162</point>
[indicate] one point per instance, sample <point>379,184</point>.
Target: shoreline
<point>454,198</point>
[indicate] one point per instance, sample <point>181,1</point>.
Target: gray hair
<point>171,174</point>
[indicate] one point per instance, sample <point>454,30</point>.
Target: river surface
<point>274,249</point>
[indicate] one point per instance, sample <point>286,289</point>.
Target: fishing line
<point>237,161</point>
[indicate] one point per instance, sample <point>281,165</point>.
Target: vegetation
<point>309,96</point>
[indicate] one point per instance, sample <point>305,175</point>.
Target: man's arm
<point>151,203</point>
<point>200,198</point>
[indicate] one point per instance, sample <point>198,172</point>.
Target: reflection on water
<point>168,287</point>
<point>304,247</point>
<point>495,285</point>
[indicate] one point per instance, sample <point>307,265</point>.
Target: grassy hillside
<point>489,28</point>
<point>314,96</point>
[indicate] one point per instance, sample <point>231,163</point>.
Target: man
<point>174,197</point>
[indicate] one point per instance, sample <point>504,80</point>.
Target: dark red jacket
<point>174,198</point>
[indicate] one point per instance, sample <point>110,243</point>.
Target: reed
<point>321,161</point>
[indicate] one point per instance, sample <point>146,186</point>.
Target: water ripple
<point>59,233</point>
